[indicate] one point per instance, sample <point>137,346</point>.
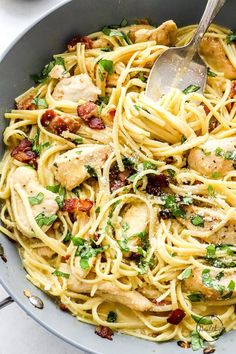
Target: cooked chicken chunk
<point>72,167</point>
<point>211,218</point>
<point>135,220</point>
<point>213,52</point>
<point>27,178</point>
<point>75,88</point>
<point>165,34</point>
<point>210,157</point>
<point>58,72</point>
<point>195,284</point>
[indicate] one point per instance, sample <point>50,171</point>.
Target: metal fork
<point>181,67</point>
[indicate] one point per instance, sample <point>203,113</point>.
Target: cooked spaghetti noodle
<point>125,212</point>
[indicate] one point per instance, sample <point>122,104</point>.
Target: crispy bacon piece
<point>65,258</point>
<point>96,123</point>
<point>176,316</point>
<point>232,95</point>
<point>74,205</point>
<point>156,183</point>
<point>119,178</point>
<point>23,153</point>
<point>62,306</point>
<point>88,112</point>
<point>59,124</point>
<point>71,45</point>
<point>26,103</point>
<point>104,332</point>
<point>206,109</point>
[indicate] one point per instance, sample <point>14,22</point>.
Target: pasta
<point>124,208</point>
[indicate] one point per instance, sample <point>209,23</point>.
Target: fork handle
<point>211,10</point>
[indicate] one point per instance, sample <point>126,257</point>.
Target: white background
<point>19,334</point>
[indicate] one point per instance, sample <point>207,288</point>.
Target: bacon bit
<point>96,123</point>
<point>59,124</point>
<point>62,307</point>
<point>176,316</point>
<point>206,109</point>
<point>71,45</point>
<point>119,178</point>
<point>170,160</point>
<point>213,124</point>
<point>65,258</point>
<point>75,204</point>
<point>104,332</point>
<point>232,95</point>
<point>161,303</point>
<point>87,110</point>
<point>156,183</point>
<point>111,114</point>
<point>23,153</point>
<point>96,236</point>
<point>26,103</point>
<point>135,256</point>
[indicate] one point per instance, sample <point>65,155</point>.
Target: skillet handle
<point>6,302</point>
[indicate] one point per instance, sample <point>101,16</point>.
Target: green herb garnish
<point>197,220</point>
<point>231,37</point>
<point>58,273</point>
<point>190,89</point>
<point>40,102</point>
<point>39,78</point>
<point>42,219</point>
<point>37,199</point>
<point>112,317</point>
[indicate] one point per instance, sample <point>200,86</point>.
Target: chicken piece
<point>165,34</point>
<point>102,43</point>
<point>211,217</point>
<point>213,52</point>
<point>72,167</point>
<point>75,88</point>
<point>27,178</point>
<point>195,284</point>
<point>135,220</point>
<point>209,159</point>
<point>44,251</point>
<point>58,72</point>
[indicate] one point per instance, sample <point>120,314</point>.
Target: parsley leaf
<point>58,273</point>
<point>112,316</point>
<point>211,73</point>
<point>201,320</point>
<point>187,273</point>
<point>112,32</point>
<point>40,102</point>
<point>36,147</point>
<point>195,297</point>
<point>42,219</point>
<point>105,65</point>
<point>211,191</point>
<point>86,251</point>
<point>43,75</point>
<point>196,341</point>
<point>197,220</point>
<point>231,37</point>
<point>190,89</point>
<point>37,199</point>
<point>91,170</point>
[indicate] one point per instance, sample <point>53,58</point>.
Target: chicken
<point>213,52</point>
<point>27,179</point>
<point>135,220</point>
<point>211,218</point>
<point>73,167</point>
<point>58,72</point>
<point>210,289</point>
<point>165,34</point>
<point>75,88</point>
<point>210,157</point>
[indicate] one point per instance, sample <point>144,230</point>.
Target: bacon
<point>96,123</point>
<point>71,45</point>
<point>26,103</point>
<point>232,95</point>
<point>65,258</point>
<point>23,153</point>
<point>119,179</point>
<point>87,110</point>
<point>206,109</point>
<point>74,205</point>
<point>104,332</point>
<point>62,306</point>
<point>156,183</point>
<point>59,124</point>
<point>176,316</point>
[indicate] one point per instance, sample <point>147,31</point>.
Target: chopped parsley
<point>190,89</point>
<point>211,73</point>
<point>195,297</point>
<point>211,191</point>
<point>219,151</point>
<point>112,32</point>
<point>196,341</point>
<point>57,188</point>
<point>173,205</point>
<point>201,320</point>
<point>171,172</point>
<point>40,102</point>
<point>149,165</point>
<point>91,170</point>
<point>58,273</point>
<point>187,273</point>
<point>37,199</point>
<point>112,317</point>
<point>142,77</point>
<point>36,146</point>
<point>230,155</point>
<point>231,37</point>
<point>68,237</point>
<point>211,251</point>
<point>197,220</point>
<point>216,175</point>
<point>78,140</point>
<point>42,219</point>
<point>211,283</point>
<point>105,65</point>
<point>39,78</point>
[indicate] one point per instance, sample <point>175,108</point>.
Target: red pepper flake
<point>75,204</point>
<point>104,332</point>
<point>176,316</point>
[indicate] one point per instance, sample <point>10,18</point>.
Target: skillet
<point>28,55</point>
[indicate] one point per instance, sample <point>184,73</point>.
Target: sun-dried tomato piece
<point>176,316</point>
<point>104,332</point>
<point>87,110</point>
<point>75,204</point>
<point>23,153</point>
<point>71,45</point>
<point>156,183</point>
<point>96,123</point>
